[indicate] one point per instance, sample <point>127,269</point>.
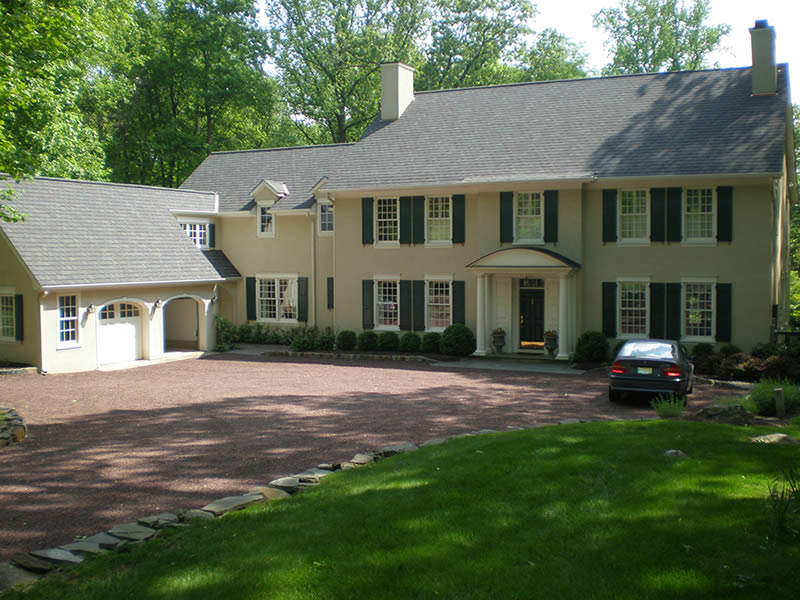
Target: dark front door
<point>531,317</point>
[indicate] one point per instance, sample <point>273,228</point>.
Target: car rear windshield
<point>648,350</point>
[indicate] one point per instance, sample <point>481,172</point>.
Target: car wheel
<point>614,395</point>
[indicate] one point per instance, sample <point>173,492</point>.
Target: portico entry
<point>522,292</point>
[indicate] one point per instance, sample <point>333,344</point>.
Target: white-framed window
<point>634,216</point>
<point>266,222</point>
<point>528,218</point>
<point>197,232</point>
<point>277,298</point>
<point>387,304</point>
<point>699,308</point>
<point>8,319</point>
<point>67,320</point>
<point>325,217</point>
<point>387,221</point>
<point>699,222</point>
<point>438,220</point>
<point>108,312</point>
<point>438,303</point>
<point>633,302</point>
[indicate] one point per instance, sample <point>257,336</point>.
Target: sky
<point>574,19</point>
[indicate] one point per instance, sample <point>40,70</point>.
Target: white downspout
<point>312,291</point>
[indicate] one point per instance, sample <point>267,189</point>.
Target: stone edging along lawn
<point>12,427</point>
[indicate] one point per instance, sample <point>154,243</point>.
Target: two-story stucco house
<point>643,205</point>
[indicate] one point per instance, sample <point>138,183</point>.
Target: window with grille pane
<point>264,220</point>
<point>633,215</point>
<point>439,219</point>
<point>387,220</point>
<point>107,312</point>
<point>67,319</point>
<point>699,216</point>
<point>288,291</point>
<point>438,304</point>
<point>528,217</point>
<point>127,311</point>
<point>387,310</point>
<point>698,309</point>
<point>277,299</point>
<point>633,308</point>
<point>7,317</point>
<point>325,217</point>
<point>197,232</point>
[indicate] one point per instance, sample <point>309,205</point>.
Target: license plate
<point>645,370</point>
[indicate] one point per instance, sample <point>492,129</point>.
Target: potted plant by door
<point>551,342</point>
<point>498,339</point>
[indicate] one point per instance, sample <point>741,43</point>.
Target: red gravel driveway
<point>105,448</point>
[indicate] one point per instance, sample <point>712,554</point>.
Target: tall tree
<point>473,41</point>
<point>647,36</point>
<point>328,53</point>
<point>552,55</point>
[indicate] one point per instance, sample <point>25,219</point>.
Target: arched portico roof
<point>523,258</point>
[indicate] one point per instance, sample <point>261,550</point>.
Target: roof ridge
<point>116,184</point>
<point>306,147</point>
<point>578,79</point>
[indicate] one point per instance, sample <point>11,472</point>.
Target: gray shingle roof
<point>90,233</point>
<point>234,174</point>
<point>222,264</point>
<point>693,122</point>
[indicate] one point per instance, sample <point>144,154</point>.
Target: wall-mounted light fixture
<point>157,303</point>
<point>90,309</point>
<point>214,299</point>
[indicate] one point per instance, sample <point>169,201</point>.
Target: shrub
<point>388,341</point>
<point>457,340</point>
<point>702,351</point>
<point>304,342</point>
<point>765,350</point>
<point>244,333</point>
<point>274,337</point>
<point>782,367</point>
<point>346,340</point>
<point>430,343</point>
<point>763,394</point>
<point>592,346</point>
<point>670,405</point>
<point>729,350</point>
<point>709,364</point>
<point>409,342</point>
<point>367,340</point>
<point>259,334</point>
<point>325,342</point>
<point>226,334</point>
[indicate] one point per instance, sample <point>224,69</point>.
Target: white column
<point>480,334</point>
<point>563,325</point>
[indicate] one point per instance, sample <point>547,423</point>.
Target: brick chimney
<point>765,75</point>
<point>397,90</point>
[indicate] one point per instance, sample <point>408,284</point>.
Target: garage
<point>119,333</point>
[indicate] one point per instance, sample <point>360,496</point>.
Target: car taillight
<point>618,369</point>
<point>671,371</point>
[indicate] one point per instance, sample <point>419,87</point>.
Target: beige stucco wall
<point>83,355</point>
<point>14,275</point>
<point>745,262</point>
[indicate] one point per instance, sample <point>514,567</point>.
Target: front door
<point>531,318</point>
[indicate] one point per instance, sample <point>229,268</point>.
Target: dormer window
<point>197,232</point>
<point>266,222</point>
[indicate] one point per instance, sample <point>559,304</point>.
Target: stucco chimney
<point>397,89</point>
<point>765,75</point>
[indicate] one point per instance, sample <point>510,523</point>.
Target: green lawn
<point>574,511</point>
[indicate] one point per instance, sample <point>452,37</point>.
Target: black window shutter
<point>418,219</point>
<point>405,305</point>
<point>419,305</point>
<point>551,216</point>
<point>672,330</point>
<point>212,235</point>
<point>657,310</point>
<point>250,291</point>
<point>366,221</point>
<point>610,309</point>
<point>674,214</point>
<point>658,209</point>
<point>724,214</point>
<point>368,320</point>
<point>302,299</point>
<point>610,216</point>
<point>459,307</point>
<point>330,292</point>
<point>19,321</point>
<point>724,315</point>
<point>506,217</point>
<point>405,220</point>
<point>459,218</point>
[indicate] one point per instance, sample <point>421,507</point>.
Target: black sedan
<point>652,366</point>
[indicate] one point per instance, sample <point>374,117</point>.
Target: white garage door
<point>119,334</point>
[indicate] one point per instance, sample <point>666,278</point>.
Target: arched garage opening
<point>120,332</point>
<point>182,318</point>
